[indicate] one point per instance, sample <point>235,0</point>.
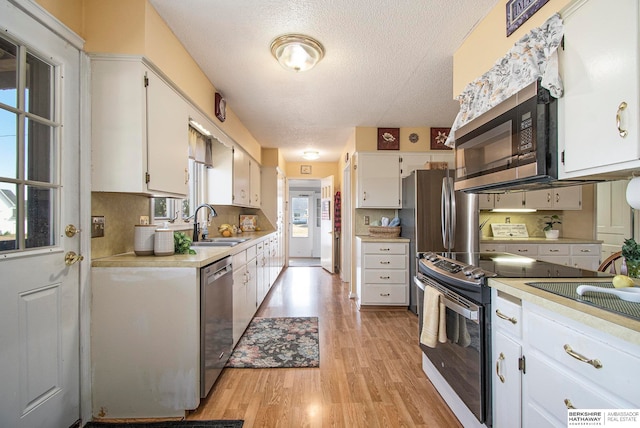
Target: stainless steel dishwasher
<point>216,321</point>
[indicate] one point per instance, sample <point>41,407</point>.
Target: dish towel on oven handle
<point>434,327</point>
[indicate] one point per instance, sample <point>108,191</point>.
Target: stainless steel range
<point>460,368</point>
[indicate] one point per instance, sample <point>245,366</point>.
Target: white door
<point>326,224</point>
<point>39,195</point>
<point>302,222</point>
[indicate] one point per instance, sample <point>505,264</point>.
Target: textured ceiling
<point>387,64</point>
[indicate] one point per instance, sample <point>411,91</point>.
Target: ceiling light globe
<point>297,52</point>
<point>311,155</point>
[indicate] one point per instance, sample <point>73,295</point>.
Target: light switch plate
<point>97,226</point>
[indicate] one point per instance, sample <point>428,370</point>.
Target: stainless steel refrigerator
<point>436,218</point>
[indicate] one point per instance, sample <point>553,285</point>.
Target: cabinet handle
<point>548,197</point>
<point>557,197</point>
<point>568,403</point>
<point>513,320</point>
<point>553,251</point>
<point>622,132</point>
<point>365,196</point>
<point>585,251</point>
<point>500,358</point>
<point>385,294</point>
<point>385,277</point>
<point>595,363</point>
<point>186,176</point>
<point>385,249</point>
<point>523,251</point>
<point>385,262</point>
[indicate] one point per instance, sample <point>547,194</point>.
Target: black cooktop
<point>508,265</point>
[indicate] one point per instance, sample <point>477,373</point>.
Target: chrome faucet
<point>196,227</point>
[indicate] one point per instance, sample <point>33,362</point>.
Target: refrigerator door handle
<point>444,213</point>
<point>452,214</point>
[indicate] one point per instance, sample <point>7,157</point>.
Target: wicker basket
<point>384,231</point>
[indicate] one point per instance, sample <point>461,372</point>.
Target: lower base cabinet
<point>556,365</point>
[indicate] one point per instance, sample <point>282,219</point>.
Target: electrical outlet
<point>366,220</point>
<point>97,226</point>
<point>507,219</point>
<point>144,219</point>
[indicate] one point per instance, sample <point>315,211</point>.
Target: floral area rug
<point>278,342</point>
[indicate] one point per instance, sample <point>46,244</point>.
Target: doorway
<point>304,223</point>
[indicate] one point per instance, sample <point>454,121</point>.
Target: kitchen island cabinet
<point>556,333</point>
<point>598,115</point>
<point>139,129</point>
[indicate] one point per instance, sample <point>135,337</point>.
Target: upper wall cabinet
<point>561,198</point>
<point>234,178</point>
<point>139,129</point>
<point>599,113</point>
<point>378,180</point>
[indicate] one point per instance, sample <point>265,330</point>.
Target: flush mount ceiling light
<point>297,52</point>
<point>311,155</point>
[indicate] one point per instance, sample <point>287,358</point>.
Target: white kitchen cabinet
<point>411,161</point>
<point>255,189</point>
<point>139,129</point>
<point>486,201</point>
<point>492,248</point>
<point>244,290</point>
<point>273,187</point>
<point>378,180</point>
<point>382,273</point>
<point>560,198</point>
<point>613,216</point>
<point>262,275</point>
<point>506,319</point>
<point>509,200</point>
<point>600,72</point>
<point>569,365</point>
<point>230,178</point>
<point>584,256</point>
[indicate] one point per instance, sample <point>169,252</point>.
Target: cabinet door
<point>567,198</point>
<point>167,138</point>
<point>539,199</point>
<point>241,173</point>
<point>485,201</point>
<point>239,299</point>
<point>507,382</point>
<point>600,72</point>
<point>509,200</point>
<point>251,297</point>
<point>378,181</point>
<point>254,185</point>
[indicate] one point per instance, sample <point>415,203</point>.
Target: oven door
<point>462,360</point>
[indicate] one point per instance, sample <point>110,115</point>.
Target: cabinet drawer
<point>239,259</point>
<point>385,294</point>
<point>251,252</point>
<point>585,250</point>
<point>388,261</point>
<point>507,314</point>
<point>380,276</point>
<point>492,248</point>
<point>559,260</point>
<point>553,249</point>
<point>550,385</point>
<point>384,248</point>
<point>620,370</point>
<point>522,249</point>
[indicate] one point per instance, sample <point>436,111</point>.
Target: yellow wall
<point>489,42</point>
<point>273,157</point>
<point>318,170</point>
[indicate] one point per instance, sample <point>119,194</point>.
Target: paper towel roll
<point>633,193</point>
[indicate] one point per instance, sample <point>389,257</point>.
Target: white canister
<point>143,239</point>
<point>163,242</point>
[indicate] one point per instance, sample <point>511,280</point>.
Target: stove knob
<point>432,257</point>
<point>468,270</point>
<point>477,273</point>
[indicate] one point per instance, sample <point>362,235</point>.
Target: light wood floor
<point>370,367</point>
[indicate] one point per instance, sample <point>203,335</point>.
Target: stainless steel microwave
<point>512,146</point>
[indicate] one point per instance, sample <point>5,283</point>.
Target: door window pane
<point>39,221</point>
<point>39,93</point>
<point>8,73</point>
<point>300,217</point>
<point>8,216</point>
<point>8,144</point>
<point>39,152</point>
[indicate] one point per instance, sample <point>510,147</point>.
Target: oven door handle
<point>465,312</point>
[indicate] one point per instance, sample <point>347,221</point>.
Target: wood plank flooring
<point>370,371</point>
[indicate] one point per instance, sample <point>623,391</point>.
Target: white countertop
<point>202,257</point>
<point>617,325</point>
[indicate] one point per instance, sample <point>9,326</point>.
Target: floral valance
<point>534,56</point>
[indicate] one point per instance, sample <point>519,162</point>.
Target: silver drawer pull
<point>385,277</point>
<point>595,363</point>
<point>385,262</point>
<point>523,251</point>
<point>513,320</point>
<point>568,403</point>
<point>385,249</point>
<point>385,294</point>
<point>585,251</point>
<point>622,132</point>
<point>500,358</point>
<point>553,251</point>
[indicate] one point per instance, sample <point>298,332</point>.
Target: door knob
<point>72,258</point>
<point>71,230</point>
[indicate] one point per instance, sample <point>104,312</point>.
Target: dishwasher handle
<point>221,272</point>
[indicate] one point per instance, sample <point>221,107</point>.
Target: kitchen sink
<point>214,243</point>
